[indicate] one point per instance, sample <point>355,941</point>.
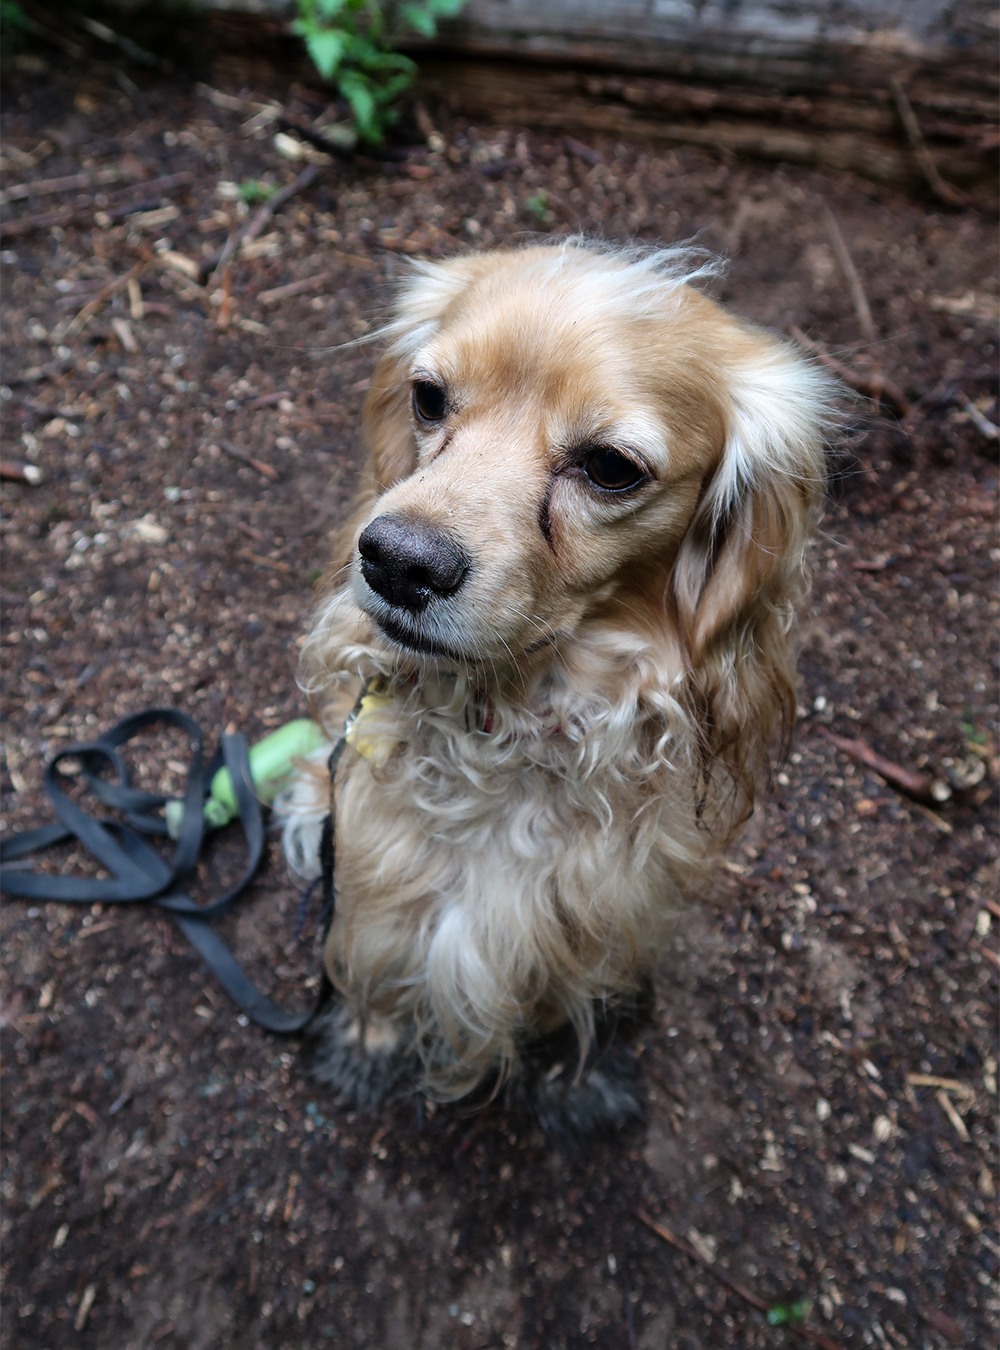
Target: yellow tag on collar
<point>362,733</point>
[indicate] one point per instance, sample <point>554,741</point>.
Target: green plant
<point>538,205</point>
<point>788,1314</point>
<point>351,44</point>
<point>252,191</point>
<point>13,24</point>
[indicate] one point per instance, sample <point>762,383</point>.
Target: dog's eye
<point>611,470</point>
<point>429,401</point>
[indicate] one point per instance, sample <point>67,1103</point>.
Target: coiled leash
<point>139,872</point>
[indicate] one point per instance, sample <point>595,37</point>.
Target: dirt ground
<point>822,1071</point>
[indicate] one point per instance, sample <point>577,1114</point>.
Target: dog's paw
<point>362,1066</point>
<point>573,1103</point>
<point>572,1108</point>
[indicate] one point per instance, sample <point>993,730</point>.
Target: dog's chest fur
<point>494,842</point>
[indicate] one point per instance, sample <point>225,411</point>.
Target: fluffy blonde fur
<point>568,738</point>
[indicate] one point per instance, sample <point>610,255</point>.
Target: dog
<point>567,590</point>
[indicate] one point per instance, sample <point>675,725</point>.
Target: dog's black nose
<point>410,564</point>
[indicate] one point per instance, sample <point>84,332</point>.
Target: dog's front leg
<point>361,1059</point>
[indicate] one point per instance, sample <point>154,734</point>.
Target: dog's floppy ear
<point>742,566</point>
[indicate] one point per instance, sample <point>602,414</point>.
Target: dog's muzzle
<point>409,564</point>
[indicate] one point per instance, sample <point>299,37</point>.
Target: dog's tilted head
<point>571,447</point>
<point>574,562</point>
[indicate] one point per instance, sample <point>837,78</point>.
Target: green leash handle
<point>271,762</point>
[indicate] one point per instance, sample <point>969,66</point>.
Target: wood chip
<point>948,1107</point>
<point>180,262</point>
<point>86,1303</point>
<point>135,305</point>
<point>123,331</point>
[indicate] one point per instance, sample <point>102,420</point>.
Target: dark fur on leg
<point>361,1077</point>
<point>573,1103</point>
<point>572,1109</point>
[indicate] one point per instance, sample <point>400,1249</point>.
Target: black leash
<point>139,873</point>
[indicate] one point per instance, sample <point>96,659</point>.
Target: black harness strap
<point>139,873</point>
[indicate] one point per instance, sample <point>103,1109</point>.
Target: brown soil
<point>822,1072</point>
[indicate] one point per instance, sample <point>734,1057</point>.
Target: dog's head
<point>567,436</point>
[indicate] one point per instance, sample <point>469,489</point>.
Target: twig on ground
<point>873,384</point>
<point>979,420</point>
<point>585,152</point>
<point>682,1245</point>
<point>254,225</point>
<point>124,44</point>
<point>301,287</point>
<point>122,202</point>
<point>13,471</point>
<point>948,1107</point>
<point>858,297</point>
<point>234,103</point>
<point>49,187</point>
<point>952,196</point>
<point>851,276</point>
<point>92,307</point>
<point>234,452</point>
<point>226,300</point>
<point>922,787</point>
<point>936,1081</point>
<point>273,564</point>
<point>932,818</point>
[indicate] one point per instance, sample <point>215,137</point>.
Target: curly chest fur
<point>495,872</point>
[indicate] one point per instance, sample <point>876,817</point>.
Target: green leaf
<point>375,20</point>
<point>378,62</point>
<point>538,205</point>
<point>252,191</point>
<point>357,90</point>
<point>420,19</point>
<point>326,47</point>
<point>12,16</point>
<point>329,9</point>
<point>445,9</point>
<point>387,91</point>
<point>788,1314</point>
